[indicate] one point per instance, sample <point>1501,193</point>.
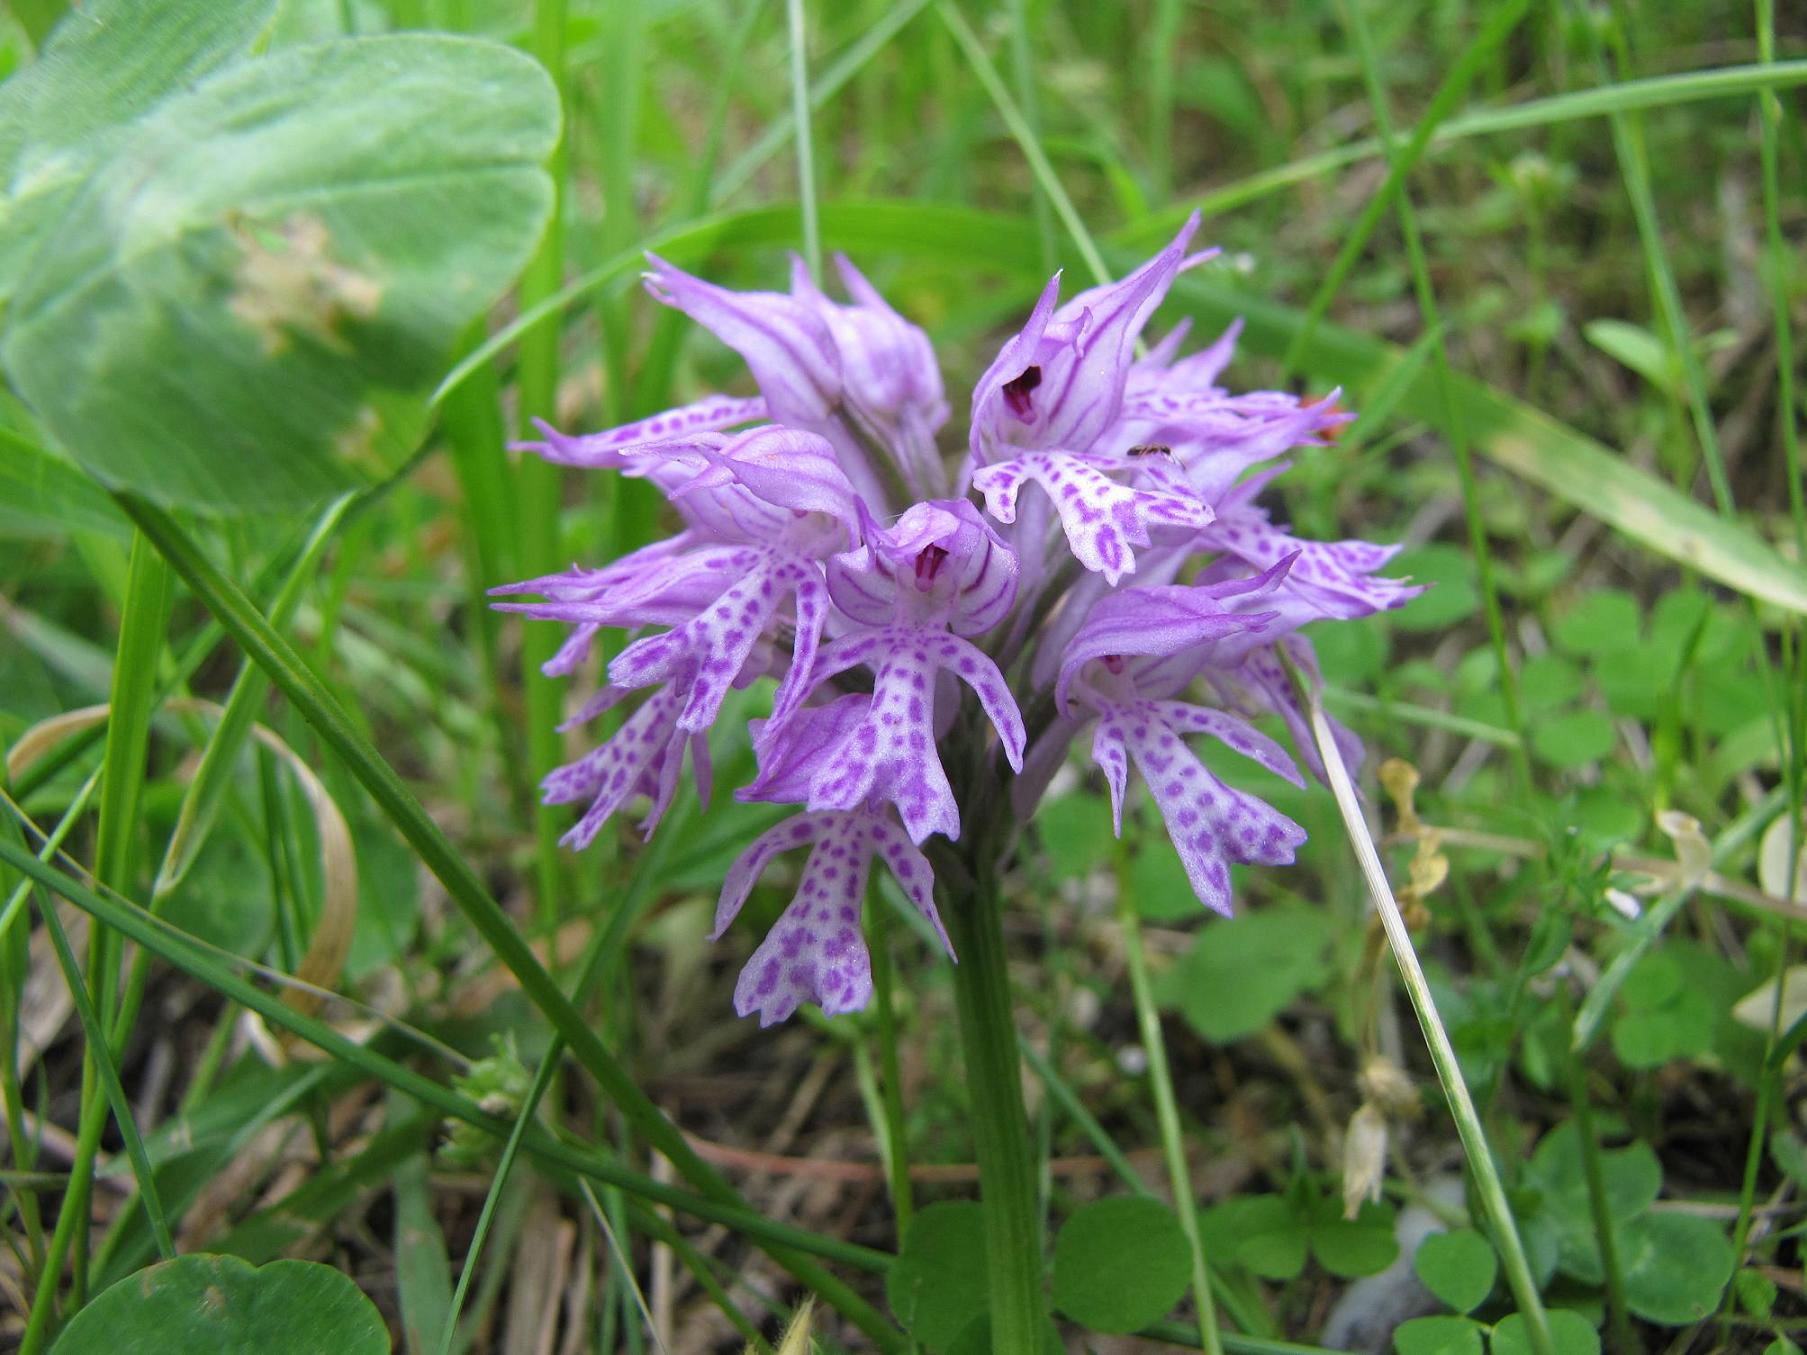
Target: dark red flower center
<point>1016,391</point>
<point>928,564</point>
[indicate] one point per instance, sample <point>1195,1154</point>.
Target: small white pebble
<point>1132,1060</point>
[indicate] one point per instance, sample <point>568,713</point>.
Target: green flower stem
<point>1443,1054</point>
<point>1167,1115</point>
<point>1013,1242</point>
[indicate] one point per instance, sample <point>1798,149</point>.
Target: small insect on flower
<point>938,631</point>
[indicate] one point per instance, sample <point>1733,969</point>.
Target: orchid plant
<point>942,629</point>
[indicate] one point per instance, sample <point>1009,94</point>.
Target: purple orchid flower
<point>828,547</point>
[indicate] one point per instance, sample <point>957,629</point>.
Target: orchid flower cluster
<point>1098,558</point>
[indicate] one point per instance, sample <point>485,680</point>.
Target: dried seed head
<point>1386,1085</point>
<point>1364,1158</point>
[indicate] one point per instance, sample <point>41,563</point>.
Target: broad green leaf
<point>1598,623</point>
<point>102,68</point>
<point>43,495</point>
<point>1547,682</point>
<point>1120,1264</point>
<point>1756,1292</point>
<point>1261,1233</point>
<point>1354,650</point>
<point>1157,879</point>
<point>226,898</point>
<point>1459,1267</point>
<point>219,1305</point>
<point>253,290</point>
<point>1451,594</point>
<point>1563,1215</point>
<point>937,1285</point>
<point>1573,738</point>
<point>1075,831</point>
<point>1350,1248</point>
<point>1244,971</point>
<point>1676,1267</point>
<point>1668,1012</point>
<point>422,1267</point>
<point>1635,347</point>
<point>1570,1334</point>
<point>1438,1336</point>
<point>1789,1154</point>
<point>1605,818</point>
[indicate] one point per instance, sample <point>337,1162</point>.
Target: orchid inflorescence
<point>1120,575</point>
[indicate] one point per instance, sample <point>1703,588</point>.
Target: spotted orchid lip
<point>1106,562</point>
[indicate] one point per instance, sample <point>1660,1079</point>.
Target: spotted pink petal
<point>891,753</point>
<point>815,952</point>
<point>643,758</point>
<point>1260,684</point>
<point>1337,576</point>
<point>1060,383</point>
<point>1102,518</point>
<point>1210,823</point>
<point>713,646</point>
<point>784,342</point>
<point>712,414</point>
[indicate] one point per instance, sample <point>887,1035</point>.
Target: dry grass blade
<point>1436,1036</point>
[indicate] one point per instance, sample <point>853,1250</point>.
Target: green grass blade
<point>1024,134</point>
<point>511,1146</point>
<point>806,155</point>
<point>317,706</point>
<point>1499,27</point>
<point>1167,1115</point>
<point>1475,1147</point>
<point>1455,417</point>
<point>201,800</point>
<point>133,698</point>
<point>185,954</point>
<point>471,418</point>
<point>831,81</point>
<point>891,1120</point>
<point>1022,71</point>
<point>1656,92</point>
<point>1634,169</point>
<point>537,484</point>
<point>95,1033</point>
